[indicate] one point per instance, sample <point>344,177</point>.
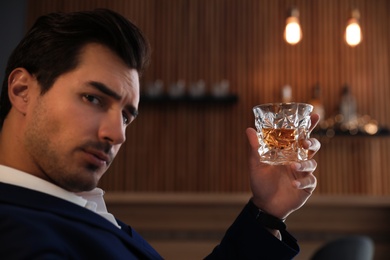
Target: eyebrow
<point>107,91</point>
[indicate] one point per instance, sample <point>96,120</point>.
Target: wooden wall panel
<point>203,147</point>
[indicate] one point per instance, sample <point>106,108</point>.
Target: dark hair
<point>53,44</point>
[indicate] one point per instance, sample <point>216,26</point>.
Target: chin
<point>82,188</point>
<point>79,184</point>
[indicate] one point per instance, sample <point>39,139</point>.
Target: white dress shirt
<point>92,200</point>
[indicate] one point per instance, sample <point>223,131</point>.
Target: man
<point>71,89</point>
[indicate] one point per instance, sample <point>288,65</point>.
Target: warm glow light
<point>353,33</point>
<point>293,32</point>
<point>371,128</point>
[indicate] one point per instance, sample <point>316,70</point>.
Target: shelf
<point>187,99</point>
<point>382,132</point>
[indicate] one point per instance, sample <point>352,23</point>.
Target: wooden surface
<point>190,225</point>
<point>202,147</point>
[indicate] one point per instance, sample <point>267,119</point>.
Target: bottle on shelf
<point>348,109</point>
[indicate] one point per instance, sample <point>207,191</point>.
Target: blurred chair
<point>346,248</point>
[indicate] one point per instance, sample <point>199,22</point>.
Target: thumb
<point>252,137</point>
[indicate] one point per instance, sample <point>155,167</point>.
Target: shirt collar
<point>12,176</point>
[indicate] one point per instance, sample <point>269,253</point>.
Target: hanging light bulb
<point>353,33</point>
<point>292,32</point>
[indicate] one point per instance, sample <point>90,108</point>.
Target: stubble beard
<point>50,164</point>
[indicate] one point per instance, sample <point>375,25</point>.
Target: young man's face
<point>74,131</point>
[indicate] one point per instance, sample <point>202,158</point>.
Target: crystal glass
<point>281,127</point>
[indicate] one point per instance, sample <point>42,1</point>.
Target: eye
<point>92,99</point>
<point>126,119</point>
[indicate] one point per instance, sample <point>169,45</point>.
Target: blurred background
<point>181,177</point>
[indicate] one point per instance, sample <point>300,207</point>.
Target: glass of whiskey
<point>281,127</point>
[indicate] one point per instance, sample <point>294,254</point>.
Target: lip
<point>98,157</point>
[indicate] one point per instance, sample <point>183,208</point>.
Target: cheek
<point>76,117</point>
<point>66,122</point>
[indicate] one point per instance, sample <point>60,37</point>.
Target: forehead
<point>98,63</point>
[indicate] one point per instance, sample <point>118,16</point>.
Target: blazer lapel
<point>44,202</point>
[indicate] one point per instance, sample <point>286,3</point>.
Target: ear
<point>20,83</point>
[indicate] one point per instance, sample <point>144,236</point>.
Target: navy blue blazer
<point>34,225</point>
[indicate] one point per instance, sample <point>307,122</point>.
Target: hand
<point>279,190</point>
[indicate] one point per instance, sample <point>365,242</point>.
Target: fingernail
<point>296,166</point>
<point>297,184</point>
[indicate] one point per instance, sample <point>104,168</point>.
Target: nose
<point>112,129</point>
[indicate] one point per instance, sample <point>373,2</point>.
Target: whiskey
<point>281,138</point>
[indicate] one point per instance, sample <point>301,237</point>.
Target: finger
<point>315,145</point>
<point>312,145</point>
<point>254,143</point>
<point>315,118</point>
<point>252,137</point>
<point>304,166</point>
<point>304,175</point>
<point>307,183</point>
